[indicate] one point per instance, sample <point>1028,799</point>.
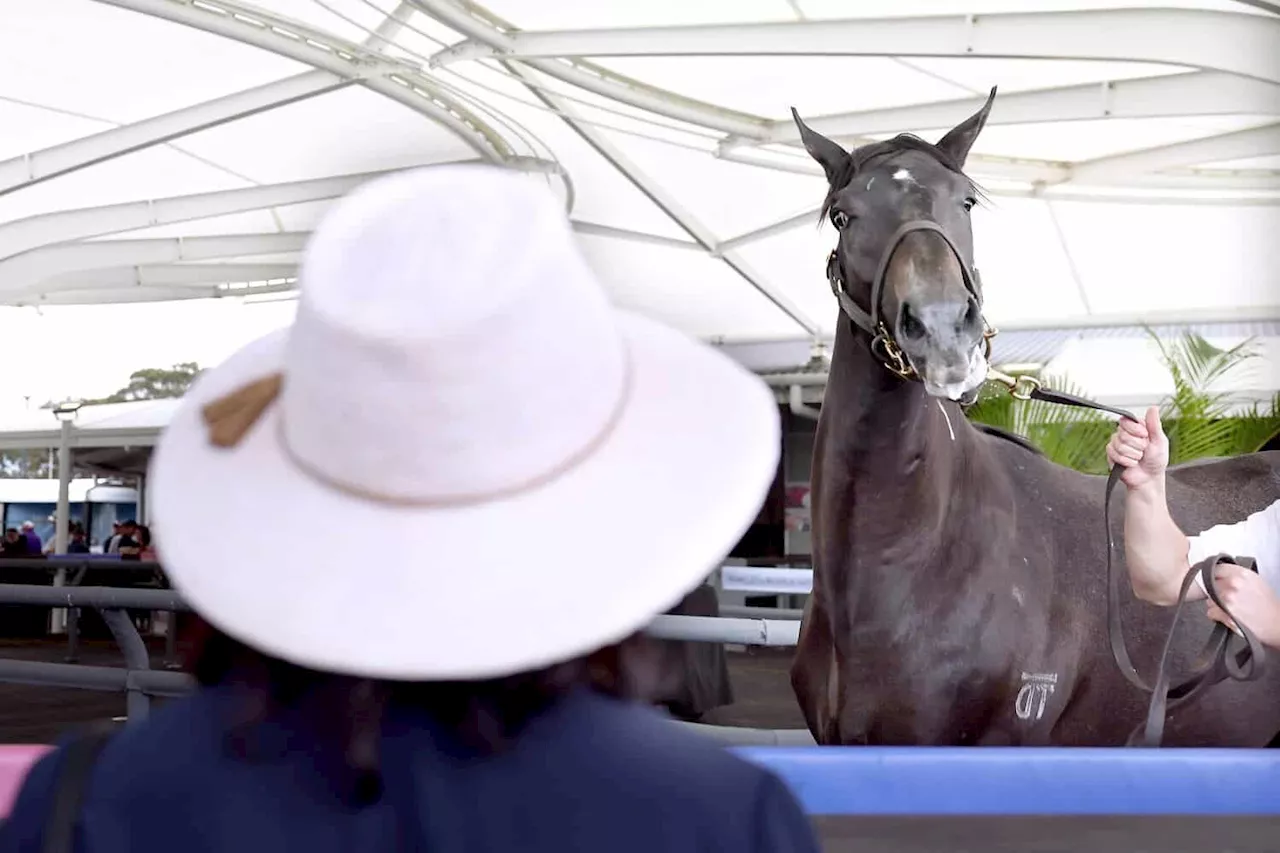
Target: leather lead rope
<point>1225,654</point>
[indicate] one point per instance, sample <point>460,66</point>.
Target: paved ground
<point>31,714</point>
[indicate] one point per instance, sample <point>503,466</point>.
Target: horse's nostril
<point>971,316</point>
<point>912,328</point>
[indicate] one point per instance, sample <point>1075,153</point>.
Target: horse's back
<point>1207,492</point>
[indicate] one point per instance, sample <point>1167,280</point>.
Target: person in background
<point>13,545</point>
<point>124,541</point>
<point>454,375</point>
<point>146,551</point>
<point>35,545</point>
<point>137,545</point>
<point>76,543</point>
<point>1159,554</point>
<point>110,546</point>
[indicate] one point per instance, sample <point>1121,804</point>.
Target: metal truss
<point>1235,42</point>
<point>666,202</point>
<point>1247,80</point>
<point>400,81</point>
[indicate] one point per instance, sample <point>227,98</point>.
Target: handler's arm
<point>1156,549</point>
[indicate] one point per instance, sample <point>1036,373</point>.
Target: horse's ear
<point>960,138</point>
<point>830,156</point>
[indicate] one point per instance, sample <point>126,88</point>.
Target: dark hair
<point>144,535</point>
<point>346,713</point>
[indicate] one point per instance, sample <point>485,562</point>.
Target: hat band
<point>230,417</point>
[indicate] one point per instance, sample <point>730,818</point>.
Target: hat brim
<point>335,582</point>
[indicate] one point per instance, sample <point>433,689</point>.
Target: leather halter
<point>883,344</point>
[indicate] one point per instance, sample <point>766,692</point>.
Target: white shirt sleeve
<point>1257,536</point>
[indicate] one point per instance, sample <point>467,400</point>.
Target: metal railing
<point>139,681</point>
<point>70,571</point>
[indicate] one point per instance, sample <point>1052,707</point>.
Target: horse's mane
<point>1008,436</point>
<point>860,157</point>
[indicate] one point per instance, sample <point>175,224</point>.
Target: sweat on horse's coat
<point>912,635</point>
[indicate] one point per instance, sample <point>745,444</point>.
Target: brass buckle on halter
<point>886,349</point>
<point>988,333</point>
<point>1020,387</point>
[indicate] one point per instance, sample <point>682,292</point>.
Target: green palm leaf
<point>1197,419</point>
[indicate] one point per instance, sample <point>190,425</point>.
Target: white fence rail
<point>715,629</point>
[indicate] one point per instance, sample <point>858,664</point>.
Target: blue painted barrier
<point>1026,781</point>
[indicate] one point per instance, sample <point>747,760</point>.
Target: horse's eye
<point>839,219</point>
<point>969,203</point>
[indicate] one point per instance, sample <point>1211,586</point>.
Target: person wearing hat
<point>460,676</point>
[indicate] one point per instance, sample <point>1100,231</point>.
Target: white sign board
<point>766,580</point>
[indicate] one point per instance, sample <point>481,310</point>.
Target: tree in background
<point>155,383</point>
<point>1196,420</point>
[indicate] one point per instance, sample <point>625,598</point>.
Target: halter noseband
<point>883,344</point>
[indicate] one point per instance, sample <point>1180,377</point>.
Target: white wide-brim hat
<point>459,462</point>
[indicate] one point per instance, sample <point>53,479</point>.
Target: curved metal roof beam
<point>31,276</point>
<point>483,27</point>
<point>1238,145</point>
<point>31,269</point>
<point>165,275</point>
<point>1235,42</point>
<point>153,293</point>
<point>37,166</point>
<point>65,225</point>
<point>33,232</point>
<point>399,81</point>
<point>1195,93</point>
<point>480,24</point>
<point>1127,175</point>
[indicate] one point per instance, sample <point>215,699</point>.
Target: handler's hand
<point>1142,449</point>
<point>1252,601</point>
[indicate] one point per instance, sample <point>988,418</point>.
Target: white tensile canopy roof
<point>167,150</point>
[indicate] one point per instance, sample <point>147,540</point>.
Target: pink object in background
<point>15,761</point>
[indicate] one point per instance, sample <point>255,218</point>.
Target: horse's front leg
<point>815,674</point>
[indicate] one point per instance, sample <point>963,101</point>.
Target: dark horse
<point>959,576</point>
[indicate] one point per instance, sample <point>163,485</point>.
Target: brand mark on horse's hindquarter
<point>1035,692</point>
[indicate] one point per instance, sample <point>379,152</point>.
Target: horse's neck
<point>898,451</point>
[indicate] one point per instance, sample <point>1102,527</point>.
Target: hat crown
<point>450,342</point>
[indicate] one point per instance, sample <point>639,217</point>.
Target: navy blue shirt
<point>591,774</point>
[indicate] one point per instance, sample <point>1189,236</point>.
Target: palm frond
<point>1069,436</point>
<point>1197,419</point>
